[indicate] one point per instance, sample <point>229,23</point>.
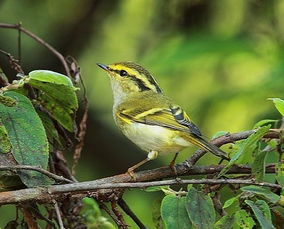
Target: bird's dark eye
<point>123,73</point>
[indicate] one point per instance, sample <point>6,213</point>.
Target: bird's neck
<point>119,94</point>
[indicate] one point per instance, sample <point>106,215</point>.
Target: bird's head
<point>129,77</point>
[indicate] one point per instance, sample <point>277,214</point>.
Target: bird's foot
<point>173,168</point>
<point>131,173</point>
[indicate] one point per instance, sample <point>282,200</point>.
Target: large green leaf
<point>272,197</point>
<point>200,209</point>
<point>27,136</point>
<point>50,77</point>
<point>279,104</point>
<point>244,220</point>
<point>173,212</point>
<point>57,95</point>
<point>247,147</point>
<point>264,222</point>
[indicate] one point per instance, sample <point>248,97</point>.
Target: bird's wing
<point>172,117</point>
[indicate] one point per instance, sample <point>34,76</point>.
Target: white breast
<point>155,138</point>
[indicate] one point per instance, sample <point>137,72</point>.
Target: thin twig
<point>118,214</point>
<point>58,215</point>
<point>130,213</point>
<point>20,43</point>
<point>110,213</point>
<point>38,169</point>
<point>39,40</point>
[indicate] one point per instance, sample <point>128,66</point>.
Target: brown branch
<point>38,169</point>
<point>130,213</point>
<point>40,41</point>
<point>102,187</point>
<point>58,215</point>
<point>111,214</point>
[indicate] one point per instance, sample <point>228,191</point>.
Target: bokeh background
<point>220,60</point>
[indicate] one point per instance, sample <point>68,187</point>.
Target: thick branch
<point>120,181</point>
<point>54,192</point>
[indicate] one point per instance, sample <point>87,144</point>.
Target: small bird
<point>149,118</point>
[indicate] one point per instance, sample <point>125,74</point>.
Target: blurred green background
<point>220,60</point>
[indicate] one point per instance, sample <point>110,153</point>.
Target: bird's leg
<point>151,156</point>
<point>172,164</point>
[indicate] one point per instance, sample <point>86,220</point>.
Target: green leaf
<point>27,136</point>
<point>57,96</point>
<point>156,188</point>
<point>247,147</point>
<point>263,122</point>
<point>244,220</point>
<point>173,212</point>
<point>279,169</point>
<point>258,165</point>
<point>272,197</point>
<point>279,104</point>
<point>50,77</point>
<point>230,201</point>
<point>263,221</point>
<point>226,222</point>
<point>5,144</point>
<point>200,209</point>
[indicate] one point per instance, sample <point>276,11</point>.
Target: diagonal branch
<point>40,41</point>
<point>38,169</point>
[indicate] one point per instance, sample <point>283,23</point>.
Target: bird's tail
<point>202,143</point>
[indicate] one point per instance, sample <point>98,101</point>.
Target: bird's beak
<point>103,66</point>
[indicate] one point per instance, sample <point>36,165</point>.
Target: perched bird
<point>149,118</point>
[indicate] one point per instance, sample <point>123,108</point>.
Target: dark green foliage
<point>25,132</point>
<point>27,136</point>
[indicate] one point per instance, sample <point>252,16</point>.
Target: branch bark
<point>104,187</point>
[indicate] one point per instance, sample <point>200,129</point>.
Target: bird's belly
<point>155,138</point>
